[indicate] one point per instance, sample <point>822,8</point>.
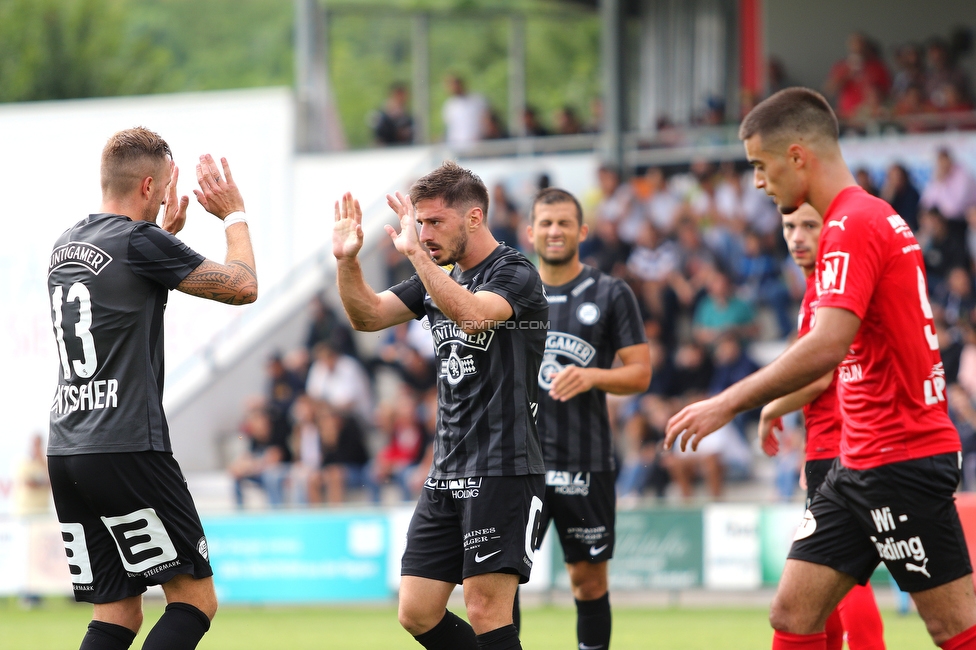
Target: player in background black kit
<point>477,517</point>
<point>593,319</point>
<point>126,516</point>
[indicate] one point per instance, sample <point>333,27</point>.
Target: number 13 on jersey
<point>86,366</point>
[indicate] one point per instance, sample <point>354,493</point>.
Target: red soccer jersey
<point>822,416</point>
<point>891,385</point>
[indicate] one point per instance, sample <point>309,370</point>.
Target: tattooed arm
<point>234,282</point>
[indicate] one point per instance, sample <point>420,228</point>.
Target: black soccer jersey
<point>487,392</point>
<point>108,281</point>
<point>590,318</point>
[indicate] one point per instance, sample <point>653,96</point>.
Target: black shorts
<point>127,521</point>
<point>815,472</point>
<point>903,514</point>
<point>582,505</point>
<point>470,526</point>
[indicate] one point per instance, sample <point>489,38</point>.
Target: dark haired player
<point>126,516</point>
<point>477,517</point>
<point>890,495</point>
<point>857,614</point>
<point>593,319</point>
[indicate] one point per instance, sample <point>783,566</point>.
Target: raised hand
<point>219,197</point>
<point>347,233</point>
<point>174,211</point>
<point>407,241</point>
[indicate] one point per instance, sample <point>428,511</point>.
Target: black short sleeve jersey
<point>590,318</point>
<point>487,392</point>
<point>108,281</point>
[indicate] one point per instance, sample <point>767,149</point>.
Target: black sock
<point>517,612</point>
<point>452,633</point>
<point>107,636</point>
<point>593,622</point>
<point>504,638</point>
<point>179,628</point>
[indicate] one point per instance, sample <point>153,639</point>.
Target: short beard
<point>559,261</point>
<point>788,209</point>
<point>459,246</point>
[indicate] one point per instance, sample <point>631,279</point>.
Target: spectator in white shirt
<point>464,114</point>
<point>340,381</point>
<point>952,190</point>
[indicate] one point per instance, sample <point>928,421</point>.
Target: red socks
<point>860,617</point>
<point>965,640</point>
<point>835,631</point>
<point>790,641</point>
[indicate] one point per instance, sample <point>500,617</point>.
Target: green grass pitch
<point>60,625</point>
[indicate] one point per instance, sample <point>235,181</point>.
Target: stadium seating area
<point>702,249</point>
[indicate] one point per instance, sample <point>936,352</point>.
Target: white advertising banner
<point>732,548</point>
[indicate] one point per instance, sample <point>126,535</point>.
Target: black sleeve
<point>628,326</point>
<point>412,292</point>
<point>158,256</point>
<point>517,281</point>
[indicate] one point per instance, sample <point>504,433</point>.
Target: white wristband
<point>234,217</point>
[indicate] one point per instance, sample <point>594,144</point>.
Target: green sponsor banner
<point>777,526</point>
<point>655,549</point>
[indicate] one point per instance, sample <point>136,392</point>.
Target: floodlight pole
<point>611,47</point>
<point>516,76</point>
<point>311,128</point>
<point>421,78</point>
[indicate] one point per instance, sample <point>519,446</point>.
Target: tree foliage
<point>56,49</point>
<point>63,49</point>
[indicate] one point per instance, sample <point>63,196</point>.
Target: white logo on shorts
<point>481,558</point>
<point>919,569</point>
<point>76,549</point>
<point>807,526</point>
<point>141,539</point>
<point>203,549</point>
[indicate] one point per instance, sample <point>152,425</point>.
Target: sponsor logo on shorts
<point>569,483</point>
<point>203,549</point>
<point>596,550</point>
<point>891,549</point>
<point>460,488</point>
<point>155,570</point>
<point>481,558</point>
<point>808,525</point>
<point>475,538</point>
<point>883,520</point>
<point>590,536</point>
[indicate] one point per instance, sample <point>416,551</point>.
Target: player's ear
<point>584,231</point>
<point>474,217</point>
<point>796,155</point>
<point>146,187</point>
<point>530,231</point>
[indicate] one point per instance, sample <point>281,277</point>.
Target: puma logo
<point>839,224</point>
<point>919,569</point>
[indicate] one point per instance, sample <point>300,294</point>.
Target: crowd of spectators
<point>323,432</point>
<point>919,81</point>
<point>923,80</point>
<point>702,250</point>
